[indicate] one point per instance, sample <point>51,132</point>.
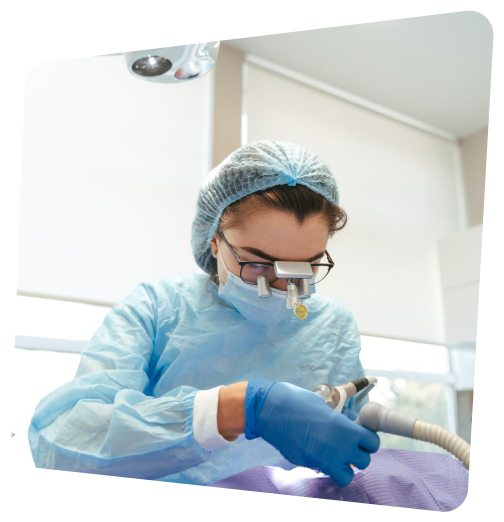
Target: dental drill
<point>292,271</point>
<point>376,417</point>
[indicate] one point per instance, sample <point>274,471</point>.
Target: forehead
<point>280,235</point>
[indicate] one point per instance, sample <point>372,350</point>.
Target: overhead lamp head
<point>173,64</point>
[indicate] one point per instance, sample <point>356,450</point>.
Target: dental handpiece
<point>335,396</point>
<point>376,417</point>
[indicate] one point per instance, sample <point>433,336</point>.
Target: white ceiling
<point>435,69</point>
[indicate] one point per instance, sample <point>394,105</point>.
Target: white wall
<point>112,166</point>
<point>397,185</point>
<point>111,170</point>
<point>460,261</point>
<point>227,104</point>
<point>473,151</point>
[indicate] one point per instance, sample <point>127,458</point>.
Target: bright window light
<point>408,381</point>
<point>36,317</point>
<point>392,355</point>
<point>421,400</point>
<point>41,372</point>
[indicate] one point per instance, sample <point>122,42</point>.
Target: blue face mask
<point>243,297</point>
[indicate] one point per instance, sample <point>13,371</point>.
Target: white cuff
<point>206,433</point>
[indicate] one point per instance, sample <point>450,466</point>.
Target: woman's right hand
<point>306,431</point>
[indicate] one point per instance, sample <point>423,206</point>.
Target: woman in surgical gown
<point>181,368</point>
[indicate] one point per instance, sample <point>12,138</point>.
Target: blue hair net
<point>257,166</point>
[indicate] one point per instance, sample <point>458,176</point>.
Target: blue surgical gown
<point>128,412</point>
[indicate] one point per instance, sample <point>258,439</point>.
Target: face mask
<point>243,297</point>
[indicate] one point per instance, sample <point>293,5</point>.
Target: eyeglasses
<point>251,270</point>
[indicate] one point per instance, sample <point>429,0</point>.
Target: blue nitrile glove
<point>306,431</point>
<point>347,412</point>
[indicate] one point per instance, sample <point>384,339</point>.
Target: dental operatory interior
<point>114,155</point>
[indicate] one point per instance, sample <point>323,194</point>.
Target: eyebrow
<point>260,253</point>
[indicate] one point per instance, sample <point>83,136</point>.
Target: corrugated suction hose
<point>378,418</point>
<point>443,438</point>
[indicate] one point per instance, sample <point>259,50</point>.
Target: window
<point>56,325</point>
<point>428,401</point>
<point>414,379</point>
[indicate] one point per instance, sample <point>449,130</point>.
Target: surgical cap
<point>257,166</point>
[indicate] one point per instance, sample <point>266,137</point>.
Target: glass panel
<point>464,413</point>
<point>425,401</point>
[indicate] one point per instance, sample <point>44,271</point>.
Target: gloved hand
<point>347,412</point>
<point>306,431</point>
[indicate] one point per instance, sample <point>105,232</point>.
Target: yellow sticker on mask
<point>300,311</point>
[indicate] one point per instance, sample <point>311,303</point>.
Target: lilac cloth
<point>411,479</point>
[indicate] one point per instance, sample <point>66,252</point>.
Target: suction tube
<point>378,418</point>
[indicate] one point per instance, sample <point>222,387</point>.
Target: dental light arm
<point>376,417</point>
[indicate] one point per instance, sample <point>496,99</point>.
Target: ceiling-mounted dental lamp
<point>173,64</point>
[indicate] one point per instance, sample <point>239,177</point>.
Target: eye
<point>257,267</point>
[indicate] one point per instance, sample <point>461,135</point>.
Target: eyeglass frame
<point>242,264</point>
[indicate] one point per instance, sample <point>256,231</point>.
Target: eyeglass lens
<point>251,271</point>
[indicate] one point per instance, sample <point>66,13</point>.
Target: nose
<point>279,284</point>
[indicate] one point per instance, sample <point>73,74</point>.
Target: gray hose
<point>444,439</point>
<point>378,418</point>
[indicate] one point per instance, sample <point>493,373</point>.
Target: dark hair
<point>298,200</point>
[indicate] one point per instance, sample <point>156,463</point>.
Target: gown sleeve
<point>103,421</point>
<point>349,339</point>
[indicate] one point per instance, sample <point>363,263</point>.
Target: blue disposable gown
<point>128,412</point>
